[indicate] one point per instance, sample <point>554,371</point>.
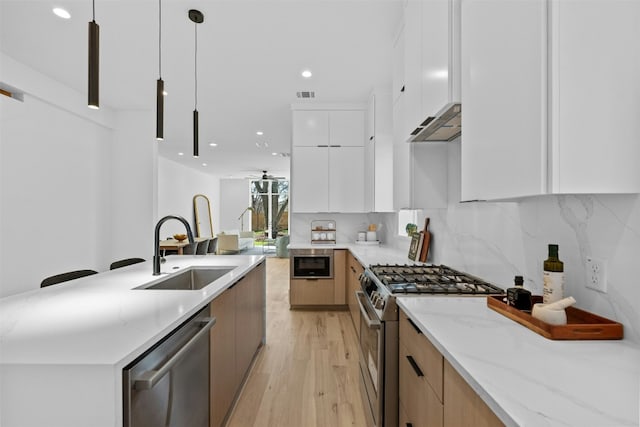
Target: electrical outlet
<point>597,274</point>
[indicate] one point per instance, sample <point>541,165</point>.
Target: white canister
<point>372,236</point>
<point>362,236</point>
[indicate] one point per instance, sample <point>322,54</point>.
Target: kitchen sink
<point>191,279</point>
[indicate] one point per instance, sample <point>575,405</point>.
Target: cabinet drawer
<point>311,292</point>
<point>423,352</point>
<point>419,405</point>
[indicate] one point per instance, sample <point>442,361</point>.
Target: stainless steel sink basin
<point>191,279</point>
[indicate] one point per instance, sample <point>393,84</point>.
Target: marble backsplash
<point>497,241</point>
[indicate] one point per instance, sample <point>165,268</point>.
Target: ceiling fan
<point>266,176</point>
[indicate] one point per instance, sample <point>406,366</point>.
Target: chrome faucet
<point>156,241</point>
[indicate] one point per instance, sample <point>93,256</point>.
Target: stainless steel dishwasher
<point>168,385</point>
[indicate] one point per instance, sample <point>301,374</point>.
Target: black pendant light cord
<point>196,66</point>
<point>159,39</point>
<point>94,10</point>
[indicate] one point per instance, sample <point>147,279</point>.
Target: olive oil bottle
<point>553,277</point>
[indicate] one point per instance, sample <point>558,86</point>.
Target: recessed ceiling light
<point>274,154</point>
<point>213,144</point>
<point>259,133</point>
<point>60,12</point>
<point>306,74</point>
<point>204,164</point>
<point>180,154</point>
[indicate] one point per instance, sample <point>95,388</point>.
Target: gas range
<point>383,282</point>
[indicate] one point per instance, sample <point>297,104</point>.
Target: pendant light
<point>198,18</point>
<point>160,82</point>
<point>94,62</point>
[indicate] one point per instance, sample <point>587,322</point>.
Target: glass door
<point>270,203</point>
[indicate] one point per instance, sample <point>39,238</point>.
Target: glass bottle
<point>553,277</point>
<point>518,296</point>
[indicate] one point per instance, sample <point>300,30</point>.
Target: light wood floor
<point>307,374</point>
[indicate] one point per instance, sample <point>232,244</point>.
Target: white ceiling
<point>250,56</point>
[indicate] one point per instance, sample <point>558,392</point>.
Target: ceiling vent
<point>306,94</point>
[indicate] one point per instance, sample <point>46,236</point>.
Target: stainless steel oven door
<point>371,345</point>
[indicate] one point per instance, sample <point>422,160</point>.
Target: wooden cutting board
<point>424,252</point>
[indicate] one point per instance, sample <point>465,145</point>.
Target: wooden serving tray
<point>581,325</point>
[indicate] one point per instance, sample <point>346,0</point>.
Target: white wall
<point>177,184</point>
<point>75,193</point>
<point>236,198</point>
<point>133,175</point>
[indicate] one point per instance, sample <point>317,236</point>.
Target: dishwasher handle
<point>148,379</point>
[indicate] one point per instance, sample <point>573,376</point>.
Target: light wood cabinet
<point>224,381</point>
<point>354,270</point>
<point>312,293</point>
<point>327,165</point>
<point>431,392</point>
<point>544,96</point>
<point>463,406</point>
<point>235,338</point>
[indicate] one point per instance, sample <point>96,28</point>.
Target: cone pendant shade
<point>94,66</point>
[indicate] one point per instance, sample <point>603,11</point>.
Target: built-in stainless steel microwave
<point>311,263</point>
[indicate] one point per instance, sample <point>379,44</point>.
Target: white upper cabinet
<point>435,62</point>
<point>328,161</point>
<point>378,182</point>
<point>397,68</point>
<point>550,98</point>
<point>431,60</point>
<point>412,66</point>
<point>346,128</point>
<point>310,127</point>
<point>504,98</point>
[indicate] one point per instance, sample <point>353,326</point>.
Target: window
<point>270,203</point>
<point>408,216</point>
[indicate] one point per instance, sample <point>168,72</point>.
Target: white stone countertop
<point>67,343</point>
<point>526,379</point>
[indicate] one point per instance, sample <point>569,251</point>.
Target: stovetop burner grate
<point>431,279</point>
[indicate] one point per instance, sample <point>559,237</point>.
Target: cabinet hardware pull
<point>415,366</point>
<point>402,90</point>
<point>334,145</point>
<point>324,145</point>
<point>371,138</point>
<point>414,326</point>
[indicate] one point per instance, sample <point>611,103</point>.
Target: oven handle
<point>371,324</point>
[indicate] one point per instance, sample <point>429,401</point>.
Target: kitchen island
<point>63,348</point>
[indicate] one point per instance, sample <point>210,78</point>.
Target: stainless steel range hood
<point>445,126</point>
